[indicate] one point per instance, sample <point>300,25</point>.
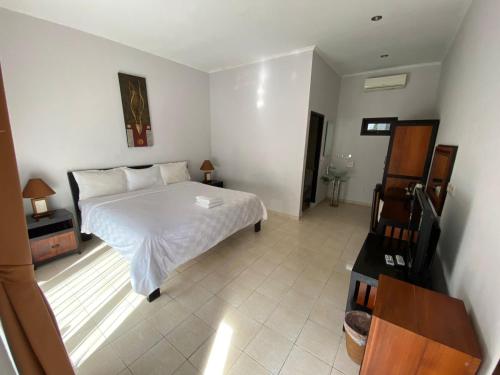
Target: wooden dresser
<point>52,236</point>
<point>419,331</point>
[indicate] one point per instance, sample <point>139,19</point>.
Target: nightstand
<point>52,236</point>
<point>217,183</point>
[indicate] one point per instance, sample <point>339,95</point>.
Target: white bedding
<point>160,228</point>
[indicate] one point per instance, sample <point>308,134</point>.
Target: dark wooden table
<point>369,265</point>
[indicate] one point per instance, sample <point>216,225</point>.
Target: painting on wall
<point>135,110</point>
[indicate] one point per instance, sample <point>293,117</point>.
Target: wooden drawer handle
<point>56,245</point>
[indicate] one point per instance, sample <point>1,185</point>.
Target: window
<point>377,125</point>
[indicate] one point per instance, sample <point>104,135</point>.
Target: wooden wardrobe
<point>409,154</point>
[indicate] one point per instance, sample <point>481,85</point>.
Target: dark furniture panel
<point>217,183</point>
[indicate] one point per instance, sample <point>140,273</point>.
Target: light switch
<point>451,189</point>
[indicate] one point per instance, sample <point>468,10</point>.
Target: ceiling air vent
<point>397,81</point>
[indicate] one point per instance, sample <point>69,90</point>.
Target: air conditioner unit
<point>397,81</point>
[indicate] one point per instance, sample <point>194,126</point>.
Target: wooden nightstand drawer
<point>52,246</point>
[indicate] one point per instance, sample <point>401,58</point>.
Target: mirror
<point>328,144</point>
<point>439,177</point>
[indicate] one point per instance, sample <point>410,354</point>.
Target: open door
<point>313,155</point>
<point>409,154</point>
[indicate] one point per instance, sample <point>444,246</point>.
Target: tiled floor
<point>259,303</point>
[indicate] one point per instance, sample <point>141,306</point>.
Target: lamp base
<point>208,177</point>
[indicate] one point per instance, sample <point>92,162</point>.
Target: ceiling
<point>213,35</point>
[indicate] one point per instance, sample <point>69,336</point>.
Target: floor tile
<point>300,362</point>
<point>299,303</point>
<point>169,317</point>
<point>286,322</point>
<point>161,359</point>
<point>250,279</point>
<point>186,369</point>
<point>245,365</point>
<point>214,282</point>
<point>190,335</point>
<point>270,349</point>
<point>193,297</point>
<point>258,306</point>
<point>319,341</point>
<point>243,327</point>
<point>215,355</point>
<point>214,311</point>
<point>273,289</point>
<point>284,275</point>
<point>176,285</point>
<point>126,371</point>
<point>263,266</point>
<point>328,314</point>
<point>343,362</point>
<point>136,342</point>
<point>235,293</point>
<point>102,362</point>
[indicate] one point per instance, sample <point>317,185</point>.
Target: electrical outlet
<point>451,189</point>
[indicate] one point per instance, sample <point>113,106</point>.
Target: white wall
<point>65,107</point>
<point>416,101</point>
<point>259,121</point>
<point>324,97</point>
<point>469,105</point>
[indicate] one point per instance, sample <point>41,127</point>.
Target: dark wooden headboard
<point>75,191</point>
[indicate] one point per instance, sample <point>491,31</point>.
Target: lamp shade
<point>37,188</point>
<point>207,166</point>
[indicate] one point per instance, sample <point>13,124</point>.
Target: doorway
<point>313,155</point>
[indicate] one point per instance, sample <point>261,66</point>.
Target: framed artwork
<point>135,110</point>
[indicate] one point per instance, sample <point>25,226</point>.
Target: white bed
<point>160,228</point>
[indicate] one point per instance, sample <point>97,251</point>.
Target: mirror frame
<point>438,201</point>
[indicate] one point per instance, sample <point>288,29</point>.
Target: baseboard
<point>283,215</point>
<point>357,203</point>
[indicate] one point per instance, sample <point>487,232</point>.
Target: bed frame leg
<point>257,227</point>
<point>154,295</point>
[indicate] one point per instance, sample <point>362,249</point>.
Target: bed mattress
<point>160,228</point>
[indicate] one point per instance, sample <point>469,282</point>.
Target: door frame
<point>317,157</point>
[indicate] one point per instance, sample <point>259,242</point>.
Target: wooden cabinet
<point>418,331</point>
<point>52,236</point>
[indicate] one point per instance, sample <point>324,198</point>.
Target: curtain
<point>30,327</point>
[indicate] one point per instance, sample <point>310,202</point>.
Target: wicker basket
<point>356,325</point>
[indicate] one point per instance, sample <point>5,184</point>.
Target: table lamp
<point>207,168</point>
<point>38,191</point>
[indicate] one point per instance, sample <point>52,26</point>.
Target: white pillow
<point>174,172</point>
<point>94,183</point>
<point>142,178</point>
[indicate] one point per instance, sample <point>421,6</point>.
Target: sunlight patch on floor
<point>220,349</point>
<point>85,290</point>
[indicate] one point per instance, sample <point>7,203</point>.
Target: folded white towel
<point>204,199</point>
<point>208,205</point>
